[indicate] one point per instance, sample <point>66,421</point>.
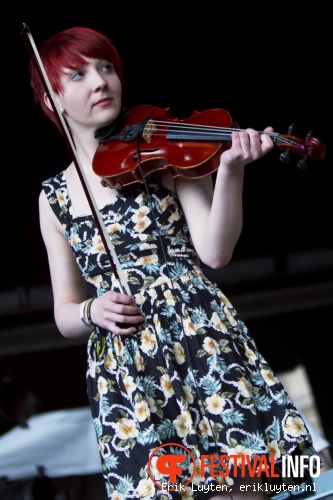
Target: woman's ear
<point>49,105</point>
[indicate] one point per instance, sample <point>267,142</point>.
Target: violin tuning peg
<point>303,164</point>
<point>285,156</point>
<point>308,136</point>
<point>291,129</point>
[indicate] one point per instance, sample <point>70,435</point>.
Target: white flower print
<point>215,404</point>
<point>166,385</point>
<point>97,246</point>
<point>96,280</point>
<point>117,496</point>
<point>239,451</point>
<point>91,367</point>
<point>205,427</point>
<point>147,259</point>
<point>211,346</point>
<point>294,426</point>
<point>125,428</point>
<point>154,470</point>
<point>151,404</point>
<point>118,346</point>
<point>61,198</point>
<point>129,384</point>
<point>244,387</point>
<point>110,363</point>
<point>139,362</point>
<point>218,323</point>
<point>142,412</point>
<point>169,298</point>
<point>183,424</point>
<point>274,450</point>
<point>188,394</point>
<point>179,353</point>
<point>102,385</point>
<point>146,489</point>
<point>249,353</point>
<point>189,328</point>
<point>269,377</point>
<point>148,341</point>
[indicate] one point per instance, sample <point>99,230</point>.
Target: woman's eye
<point>77,75</point>
<point>107,68</point>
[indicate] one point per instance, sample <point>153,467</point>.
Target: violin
<point>146,139</point>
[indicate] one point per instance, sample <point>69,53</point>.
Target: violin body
<point>133,154</point>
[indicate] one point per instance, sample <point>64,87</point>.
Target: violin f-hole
<point>144,151</point>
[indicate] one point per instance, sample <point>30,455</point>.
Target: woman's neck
<point>86,146</point>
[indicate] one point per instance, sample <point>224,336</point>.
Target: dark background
<point>264,65</point>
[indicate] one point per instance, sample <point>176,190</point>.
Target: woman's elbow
<point>217,261</point>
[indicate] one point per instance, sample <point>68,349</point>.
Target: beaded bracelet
<point>88,313</point>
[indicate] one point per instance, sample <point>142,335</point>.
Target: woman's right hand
<point>116,312</point>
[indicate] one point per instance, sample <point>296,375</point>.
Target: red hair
<point>68,49</point>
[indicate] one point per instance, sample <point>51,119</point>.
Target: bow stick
<point>109,248</point>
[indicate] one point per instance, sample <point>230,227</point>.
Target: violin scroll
<point>310,149</point>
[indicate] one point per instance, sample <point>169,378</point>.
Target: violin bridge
<point>148,130</point>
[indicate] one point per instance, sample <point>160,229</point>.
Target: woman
<point>171,362</point>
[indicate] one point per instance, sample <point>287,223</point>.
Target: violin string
<point>164,127</point>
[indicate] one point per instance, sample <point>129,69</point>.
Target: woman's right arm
<point>69,288</point>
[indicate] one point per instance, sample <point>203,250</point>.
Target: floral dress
<point>192,378</point>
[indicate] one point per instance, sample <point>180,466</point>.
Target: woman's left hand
<point>247,146</point>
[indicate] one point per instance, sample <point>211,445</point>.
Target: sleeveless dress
<point>192,378</point>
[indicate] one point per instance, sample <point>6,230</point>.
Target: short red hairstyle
<point>68,49</point>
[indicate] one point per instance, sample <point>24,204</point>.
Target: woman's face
<point>91,96</point>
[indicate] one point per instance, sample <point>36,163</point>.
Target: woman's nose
<point>98,81</point>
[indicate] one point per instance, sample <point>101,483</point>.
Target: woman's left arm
<point>215,213</point>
